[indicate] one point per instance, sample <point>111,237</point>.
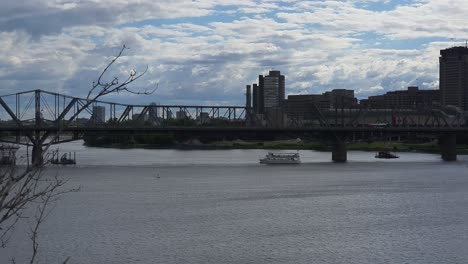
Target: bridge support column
<point>36,156</point>
<point>339,152</point>
<point>448,147</point>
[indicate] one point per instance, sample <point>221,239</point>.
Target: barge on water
<point>386,155</point>
<point>8,154</point>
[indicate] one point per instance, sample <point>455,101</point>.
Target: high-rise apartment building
<point>181,115</point>
<point>255,98</point>
<point>267,98</point>
<point>261,95</point>
<point>153,112</point>
<point>99,114</point>
<point>454,77</point>
<point>268,93</point>
<point>273,89</point>
<point>248,94</point>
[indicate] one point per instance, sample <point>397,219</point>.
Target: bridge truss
<point>33,116</point>
<point>25,113</point>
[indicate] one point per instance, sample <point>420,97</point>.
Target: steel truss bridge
<point>35,118</point>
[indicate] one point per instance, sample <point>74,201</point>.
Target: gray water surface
<point>167,206</point>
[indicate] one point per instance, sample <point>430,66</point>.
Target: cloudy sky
<point>206,51</point>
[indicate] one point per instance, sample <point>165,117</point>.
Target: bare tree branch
<point>101,88</point>
<point>41,214</point>
<point>21,187</point>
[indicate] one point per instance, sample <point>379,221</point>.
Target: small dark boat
<point>65,159</point>
<point>386,155</point>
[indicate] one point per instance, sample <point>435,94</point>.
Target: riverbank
<point>431,147</point>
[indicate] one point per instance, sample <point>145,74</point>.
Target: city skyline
<point>206,51</point>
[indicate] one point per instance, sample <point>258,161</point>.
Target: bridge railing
<point>359,117</point>
<point>48,110</point>
<point>40,108</point>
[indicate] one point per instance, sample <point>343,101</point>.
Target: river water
<point>169,206</point>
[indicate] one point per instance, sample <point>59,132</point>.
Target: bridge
<point>38,117</point>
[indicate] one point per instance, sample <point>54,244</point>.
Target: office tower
<point>169,114</point>
<point>248,94</point>
<point>273,89</point>
<point>261,95</point>
<point>269,93</point>
<point>454,77</point>
<point>255,98</point>
<point>282,88</point>
<point>99,114</point>
<point>181,115</point>
<point>204,117</point>
<point>153,112</point>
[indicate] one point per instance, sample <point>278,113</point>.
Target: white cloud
<point>436,18</point>
<point>319,45</point>
<point>374,89</point>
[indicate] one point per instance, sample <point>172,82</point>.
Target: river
<point>221,206</point>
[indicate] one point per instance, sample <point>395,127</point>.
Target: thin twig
<point>20,187</point>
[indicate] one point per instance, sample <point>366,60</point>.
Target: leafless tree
<point>27,188</point>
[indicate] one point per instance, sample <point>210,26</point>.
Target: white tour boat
<point>281,158</point>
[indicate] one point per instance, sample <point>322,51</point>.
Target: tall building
<point>248,94</point>
<point>153,112</point>
<point>268,94</point>
<point>261,95</point>
<point>169,114</point>
<point>273,89</point>
<point>267,98</point>
<point>99,114</point>
<point>255,98</point>
<point>454,77</point>
<point>181,115</point>
<point>204,117</point>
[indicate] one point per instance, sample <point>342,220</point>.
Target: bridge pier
<point>37,158</point>
<point>339,151</point>
<point>448,147</point>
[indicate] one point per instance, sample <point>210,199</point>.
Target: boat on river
<point>386,155</point>
<point>8,154</point>
<point>65,159</point>
<point>281,158</point>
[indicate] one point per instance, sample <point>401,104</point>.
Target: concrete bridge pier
<point>339,151</point>
<point>448,147</point>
